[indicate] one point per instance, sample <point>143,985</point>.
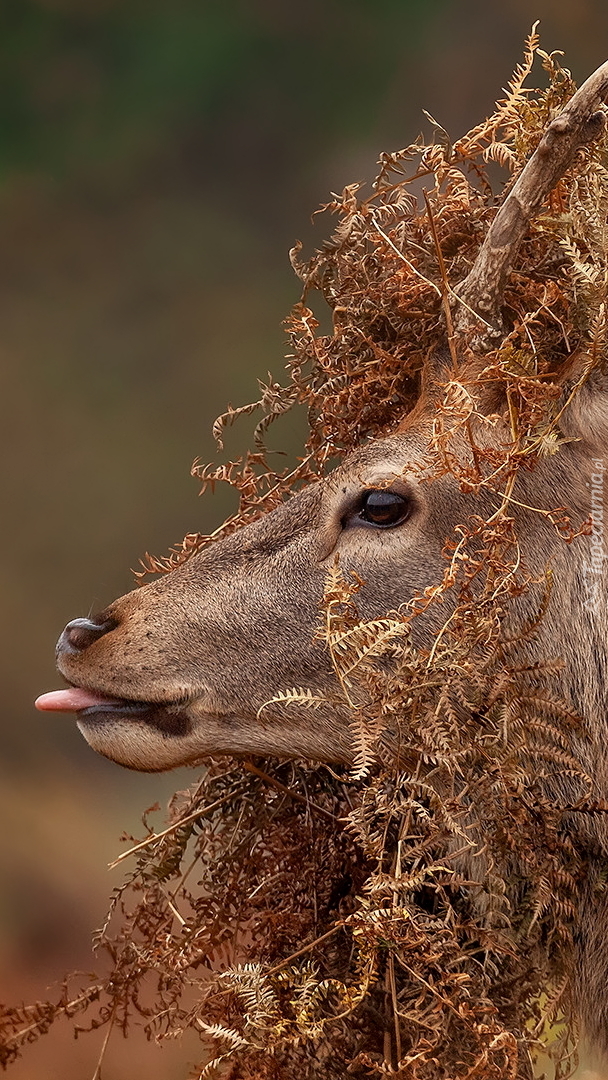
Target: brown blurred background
<point>157,161</point>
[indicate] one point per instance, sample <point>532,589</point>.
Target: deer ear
<point>586,416</point>
<point>489,396</point>
<point>438,371</point>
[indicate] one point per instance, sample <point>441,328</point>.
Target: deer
<point>182,667</point>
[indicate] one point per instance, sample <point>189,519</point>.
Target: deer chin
<point>146,739</point>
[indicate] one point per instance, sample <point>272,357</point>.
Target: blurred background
<point>157,161</point>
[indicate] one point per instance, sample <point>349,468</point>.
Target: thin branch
<point>304,949</point>
<point>202,812</point>
<point>104,1046</point>
<point>407,262</point>
<point>288,791</point>
<point>445,288</point>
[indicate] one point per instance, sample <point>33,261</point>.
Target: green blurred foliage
<point>91,82</point>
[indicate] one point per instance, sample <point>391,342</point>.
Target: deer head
<point>181,668</point>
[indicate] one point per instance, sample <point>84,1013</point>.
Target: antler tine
<point>580,122</point>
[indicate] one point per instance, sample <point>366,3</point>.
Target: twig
<point>104,1047</point>
<point>304,949</point>
<point>393,989</point>
<point>407,262</point>
<point>250,767</point>
<point>445,288</point>
<point>432,989</point>
<point>202,812</point>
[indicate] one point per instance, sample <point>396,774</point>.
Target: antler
<point>580,122</point>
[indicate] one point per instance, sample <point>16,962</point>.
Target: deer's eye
<point>384,508</point>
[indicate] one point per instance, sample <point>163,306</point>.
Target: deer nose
<point>80,633</point>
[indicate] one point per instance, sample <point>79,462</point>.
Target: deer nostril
<point>80,633</point>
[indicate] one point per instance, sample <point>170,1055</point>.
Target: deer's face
<point>179,669</point>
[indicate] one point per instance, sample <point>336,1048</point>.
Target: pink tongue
<point>72,700</point>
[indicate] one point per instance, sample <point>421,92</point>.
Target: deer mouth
<point>92,709</point>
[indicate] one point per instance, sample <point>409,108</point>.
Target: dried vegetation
<point>412,917</point>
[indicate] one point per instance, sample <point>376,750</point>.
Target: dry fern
<point>398,919</point>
